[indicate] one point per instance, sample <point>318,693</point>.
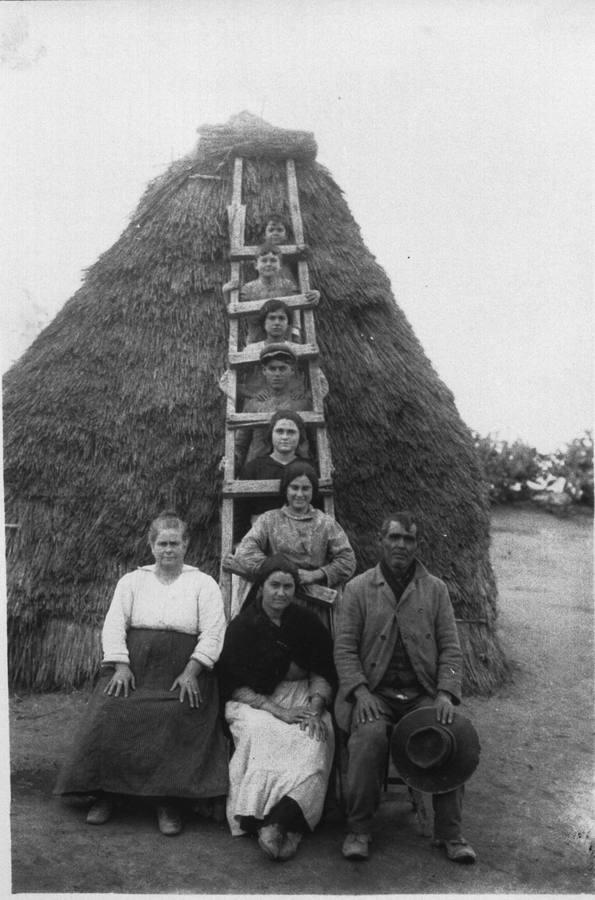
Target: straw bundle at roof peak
<point>114,412</point>
<point>249,136</point>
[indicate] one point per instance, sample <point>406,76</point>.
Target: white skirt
<point>272,759</point>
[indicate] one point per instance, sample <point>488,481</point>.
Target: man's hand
<point>367,708</point>
<point>445,712</point>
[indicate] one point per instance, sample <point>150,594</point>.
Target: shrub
<point>516,471</point>
<point>575,463</point>
<point>507,467</point>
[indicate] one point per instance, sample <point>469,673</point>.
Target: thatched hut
<point>114,411</point>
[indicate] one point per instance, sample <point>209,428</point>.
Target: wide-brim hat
<point>431,756</point>
<point>277,351</point>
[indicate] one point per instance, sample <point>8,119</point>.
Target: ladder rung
<point>249,355</point>
<point>265,488</point>
<point>250,419</point>
<point>249,251</point>
<point>249,307</point>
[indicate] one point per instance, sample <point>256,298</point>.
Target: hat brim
<point>448,775</point>
<point>286,357</point>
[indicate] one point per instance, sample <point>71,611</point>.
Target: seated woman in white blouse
<point>151,728</point>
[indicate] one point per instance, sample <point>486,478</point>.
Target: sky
<point>459,131</point>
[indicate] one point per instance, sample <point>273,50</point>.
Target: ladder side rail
<point>325,461</point>
<point>304,280</point>
<point>227,507</point>
<point>322,442</point>
<point>316,386</point>
<point>309,327</point>
<point>298,232</point>
<point>294,202</point>
<point>329,505</point>
<point>225,578</point>
<point>236,214</point>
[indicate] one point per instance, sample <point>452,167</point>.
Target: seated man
<point>270,283</point>
<point>396,650</point>
<point>278,363</point>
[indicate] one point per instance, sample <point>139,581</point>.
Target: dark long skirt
<point>149,744</point>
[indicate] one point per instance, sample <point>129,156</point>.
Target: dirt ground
<point>528,807</point>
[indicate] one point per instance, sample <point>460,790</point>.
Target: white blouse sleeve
<point>117,621</point>
<point>211,623</point>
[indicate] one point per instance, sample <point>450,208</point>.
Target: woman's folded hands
<point>306,717</point>
<point>315,726</point>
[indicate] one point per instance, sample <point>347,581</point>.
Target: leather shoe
<point>355,846</point>
<point>290,845</point>
<point>100,812</point>
<point>458,850</point>
<point>270,839</point>
<point>169,820</point>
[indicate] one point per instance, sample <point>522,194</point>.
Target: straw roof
<point>114,411</point>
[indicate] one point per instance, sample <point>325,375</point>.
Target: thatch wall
<point>114,411</point>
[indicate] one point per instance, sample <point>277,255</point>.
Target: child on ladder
<point>270,283</point>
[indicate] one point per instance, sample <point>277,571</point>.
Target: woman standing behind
<point>276,672</point>
<point>152,727</point>
<point>310,538</point>
<point>287,438</point>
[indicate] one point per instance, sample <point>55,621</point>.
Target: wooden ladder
<point>302,315</point>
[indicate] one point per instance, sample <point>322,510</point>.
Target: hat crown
<point>280,349</point>
<point>431,756</point>
<point>430,746</point>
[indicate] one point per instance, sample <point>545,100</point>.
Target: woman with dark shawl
<point>276,672</point>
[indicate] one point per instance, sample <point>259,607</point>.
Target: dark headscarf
<point>257,653</point>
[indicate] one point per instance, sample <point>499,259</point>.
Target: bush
<point>575,464</point>
<point>516,471</point>
<point>506,467</point>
